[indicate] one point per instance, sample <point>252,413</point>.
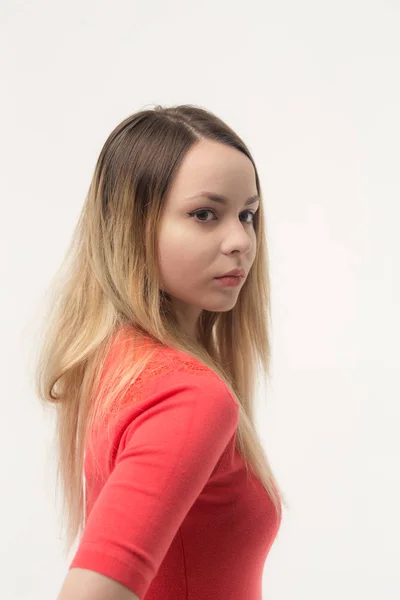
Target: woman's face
<point>194,249</point>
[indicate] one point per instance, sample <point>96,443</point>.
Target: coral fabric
<point>171,512</point>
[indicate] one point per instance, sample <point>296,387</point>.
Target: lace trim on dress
<point>168,362</point>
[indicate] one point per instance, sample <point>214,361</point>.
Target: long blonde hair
<point>109,279</point>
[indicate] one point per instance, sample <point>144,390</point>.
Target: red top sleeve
<point>156,461</point>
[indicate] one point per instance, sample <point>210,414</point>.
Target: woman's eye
<point>205,211</point>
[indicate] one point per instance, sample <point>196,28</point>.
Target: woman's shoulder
<point>159,360</point>
<point>169,378</point>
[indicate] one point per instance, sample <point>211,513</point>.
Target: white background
<point>313,88</point>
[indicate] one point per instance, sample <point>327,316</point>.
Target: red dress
<point>170,511</point>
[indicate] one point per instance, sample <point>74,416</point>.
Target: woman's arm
<point>83,584</point>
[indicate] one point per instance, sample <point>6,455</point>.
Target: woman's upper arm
<point>157,461</point>
<point>84,584</point>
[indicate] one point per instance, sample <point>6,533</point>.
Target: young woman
<point>156,328</point>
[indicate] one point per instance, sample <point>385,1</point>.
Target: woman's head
<point>145,254</point>
<point>147,232</point>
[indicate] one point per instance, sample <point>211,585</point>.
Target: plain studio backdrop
<point>313,88</point>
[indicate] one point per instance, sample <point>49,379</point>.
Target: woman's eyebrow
<point>224,199</point>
